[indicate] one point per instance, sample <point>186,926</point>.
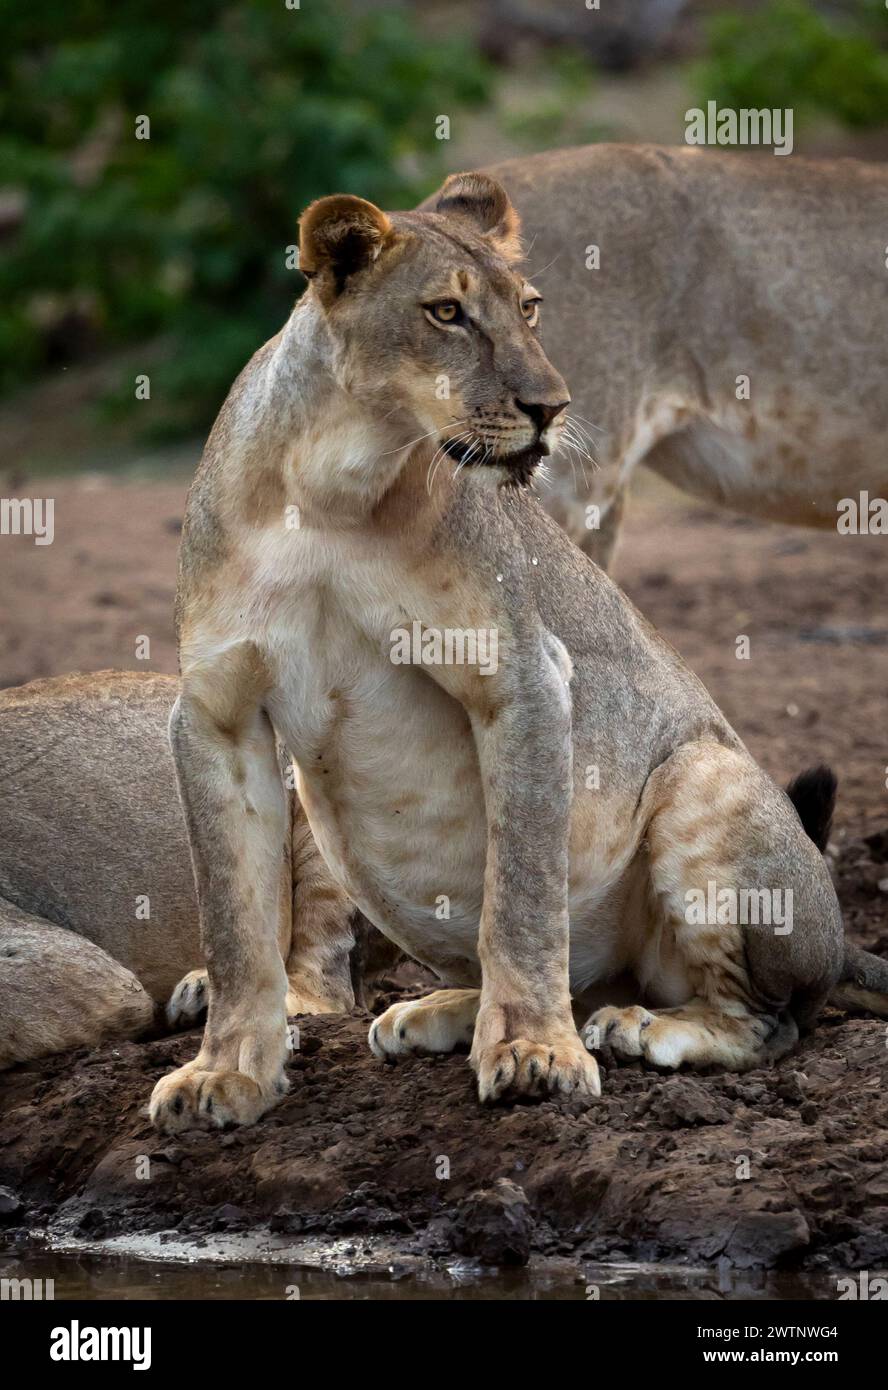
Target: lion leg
<point>318,962</point>
<point>700,1033</point>
<point>59,991</point>
<point>599,541</point>
<point>238,823</point>
<point>319,965</point>
<point>439,1022</point>
<point>592,517</point>
<point>742,920</point>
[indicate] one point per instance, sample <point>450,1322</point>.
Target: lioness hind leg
<point>437,1023</point>
<point>742,919</point>
<point>59,991</point>
<point>188,1002</point>
<point>319,966</point>
<point>701,1033</point>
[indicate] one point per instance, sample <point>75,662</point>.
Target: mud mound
<point>787,1165</point>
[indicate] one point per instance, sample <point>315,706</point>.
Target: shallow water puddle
<point>237,1268</point>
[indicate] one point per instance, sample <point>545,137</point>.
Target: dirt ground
<point>785,1166</point>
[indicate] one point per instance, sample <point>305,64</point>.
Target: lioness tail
<point>863,983</point>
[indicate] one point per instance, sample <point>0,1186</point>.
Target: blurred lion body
<point>732,337</point>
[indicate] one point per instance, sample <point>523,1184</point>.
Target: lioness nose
<point>541,412</point>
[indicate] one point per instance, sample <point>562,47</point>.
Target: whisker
<point>575,415</point>
<point>572,450</point>
<point>470,454</point>
<point>579,431</point>
<point>571,443</point>
<point>432,461</point>
<point>439,455</point>
<point>533,275</point>
<point>573,467</point>
<point>571,436</point>
<point>420,437</point>
<point>544,475</point>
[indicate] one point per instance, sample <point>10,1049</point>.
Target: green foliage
<point>255,109</point>
<point>790,55</point>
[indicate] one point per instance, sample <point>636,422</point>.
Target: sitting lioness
<point>361,529</point>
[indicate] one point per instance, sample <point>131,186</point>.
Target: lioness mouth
<point>520,465</point>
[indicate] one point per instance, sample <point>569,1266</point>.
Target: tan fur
<point>453,806</point>
<point>713,265</point>
<point>98,1000</point>
<point>93,839</point>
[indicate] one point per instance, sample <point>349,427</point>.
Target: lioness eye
<point>531,311</point>
<point>445,311</point>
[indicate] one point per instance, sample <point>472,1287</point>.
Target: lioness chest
<point>387,766</point>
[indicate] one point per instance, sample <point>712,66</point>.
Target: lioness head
<point>434,327</point>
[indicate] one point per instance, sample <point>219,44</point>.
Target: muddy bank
<point>782,1167</point>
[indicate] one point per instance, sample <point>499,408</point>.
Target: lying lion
<point>528,829</point>
<point>720,318</point>
<point>99,932</point>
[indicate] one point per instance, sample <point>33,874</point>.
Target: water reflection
<point>93,1276</point>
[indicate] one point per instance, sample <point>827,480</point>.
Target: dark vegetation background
<point>168,256</point>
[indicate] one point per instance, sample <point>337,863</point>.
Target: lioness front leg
<point>525,1039</point>
<point>236,813</point>
<point>318,958</point>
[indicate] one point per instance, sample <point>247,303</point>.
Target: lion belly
<point>396,806</point>
<point>772,472</point>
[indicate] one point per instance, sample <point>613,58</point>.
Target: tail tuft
<point>813,794</point>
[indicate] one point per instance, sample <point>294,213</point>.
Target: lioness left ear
<point>478,199</point>
<point>338,237</point>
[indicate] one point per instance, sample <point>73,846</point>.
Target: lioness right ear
<point>479,199</point>
<point>338,237</point>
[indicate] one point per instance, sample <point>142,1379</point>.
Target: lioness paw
<point>188,1001</point>
<point>437,1023</point>
<point>521,1067</point>
<point>696,1033</point>
<point>662,1040</point>
<point>621,1029</point>
<point>192,1098</point>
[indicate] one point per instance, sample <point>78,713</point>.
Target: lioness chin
<point>528,828</point>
